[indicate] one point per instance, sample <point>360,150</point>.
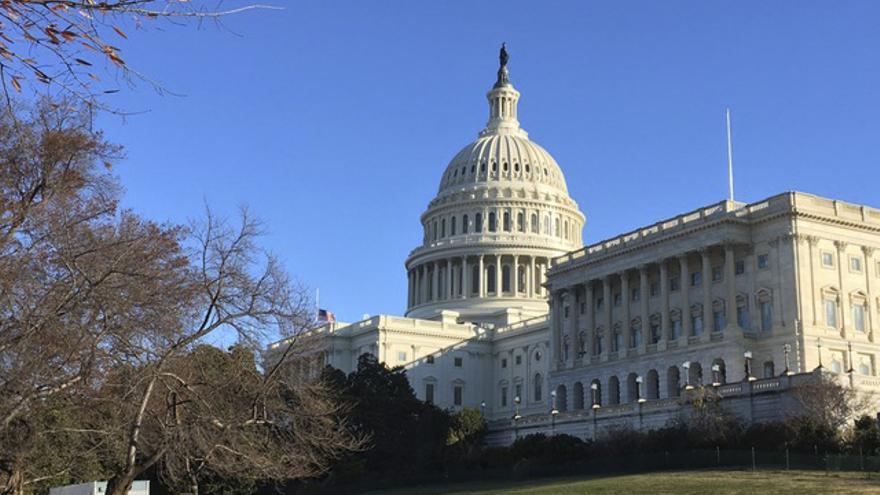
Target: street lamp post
<point>687,375</point>
<point>639,398</point>
<point>819,349</point>
<point>553,413</point>
<point>786,349</point>
<point>516,418</point>
<point>748,356</point>
<point>594,391</point>
<point>716,375</point>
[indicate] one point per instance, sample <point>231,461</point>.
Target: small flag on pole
<point>326,316</point>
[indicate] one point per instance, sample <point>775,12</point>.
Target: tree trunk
<point>15,482</point>
<point>120,484</point>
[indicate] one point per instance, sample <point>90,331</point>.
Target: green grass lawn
<point>678,483</point>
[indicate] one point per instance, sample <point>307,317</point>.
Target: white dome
<point>501,213</point>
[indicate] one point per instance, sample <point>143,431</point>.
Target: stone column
<point>465,278</point>
<point>685,288</point>
<point>515,276</point>
<point>448,278</point>
<point>498,291</point>
<point>589,315</point>
<point>556,318</point>
<point>869,289</point>
<point>481,283</point>
<point>608,303</point>
<point>664,301</point>
<point>730,281</point>
<point>626,326</point>
<point>572,300</point>
<point>644,294</point>
<point>435,282</point>
<point>530,278</point>
<point>843,264</point>
<point>707,293</point>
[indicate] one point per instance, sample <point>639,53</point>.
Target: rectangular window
<point>655,333</point>
<point>766,316</point>
<point>518,360</point>
<point>855,264</point>
<point>565,311</point>
<point>676,330</point>
<point>429,393</point>
<point>636,337</point>
<point>401,356</point>
<point>837,361</point>
<point>696,279</point>
<point>636,294</point>
<point>742,317</point>
<point>456,395</point>
<point>719,320</point>
<point>739,267</point>
<point>763,261</point>
<point>429,359</point>
<point>831,313</point>
<point>583,307</point>
<point>859,317</point>
<point>827,259</point>
<point>717,274</point>
<point>458,362</point>
<point>697,324</point>
<point>504,362</point>
<point>618,342</point>
<point>503,396</point>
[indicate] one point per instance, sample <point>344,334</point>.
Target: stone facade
<point>749,298</point>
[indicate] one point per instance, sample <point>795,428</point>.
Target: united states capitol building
<point>509,313</point>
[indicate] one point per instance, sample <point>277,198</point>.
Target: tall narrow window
<point>442,228</point>
<point>506,221</point>
<point>858,310</point>
<point>520,222</point>
<point>831,313</point>
<point>457,394</point>
<point>766,316</point>
<point>505,278</point>
<point>490,278</point>
<point>429,393</point>
<point>435,230</point>
<point>697,324</point>
<point>742,317</point>
<point>464,224</point>
<point>503,396</point>
<point>538,387</point>
<point>452,226</point>
<point>478,222</point>
<point>676,329</point>
<point>535,223</point>
<point>492,221</point>
<point>475,279</point>
<point>546,225</point>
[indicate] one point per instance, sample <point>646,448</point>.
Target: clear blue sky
<point>334,120</point>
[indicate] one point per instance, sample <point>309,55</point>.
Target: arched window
<point>578,399</point>
<point>475,279</point>
<point>538,387</point>
<point>464,224</point>
<point>520,222</point>
<point>478,222</point>
<point>452,226</point>
<point>435,230</point>
<point>673,382</point>
<point>483,167</point>
<point>505,278</point>
<point>506,218</point>
<point>492,221</point>
<point>652,385</point>
<point>490,278</point>
<point>561,398</point>
<point>632,388</point>
<point>769,369</point>
<point>442,228</point>
<point>596,393</point>
<point>535,225</point>
<point>613,390</point>
<point>719,372</point>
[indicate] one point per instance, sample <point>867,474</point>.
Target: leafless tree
<point>104,311</point>
<point>63,44</point>
<point>827,401</point>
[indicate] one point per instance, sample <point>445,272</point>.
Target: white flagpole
<point>729,159</point>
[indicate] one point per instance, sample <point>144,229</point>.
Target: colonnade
<point>615,307</point>
<point>477,276</point>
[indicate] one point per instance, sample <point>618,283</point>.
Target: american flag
<point>326,316</point>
